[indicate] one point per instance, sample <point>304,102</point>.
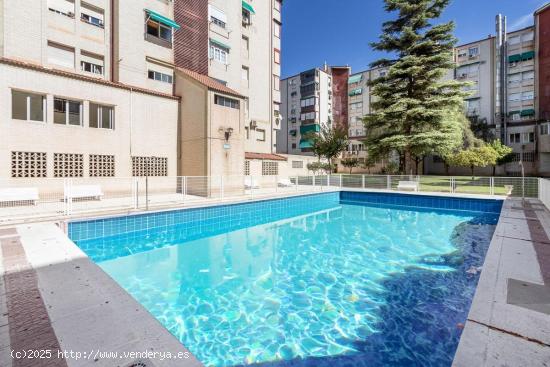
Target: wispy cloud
<point>527,19</point>
<point>521,22</point>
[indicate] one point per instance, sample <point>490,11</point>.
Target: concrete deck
<point>509,321</point>
<point>55,300</point>
<point>52,297</point>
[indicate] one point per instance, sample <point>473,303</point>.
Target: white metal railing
<point>22,198</point>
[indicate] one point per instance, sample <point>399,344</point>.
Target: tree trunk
<point>350,170</point>
<point>472,168</point>
<point>446,169</point>
<point>494,170</point>
<point>408,161</point>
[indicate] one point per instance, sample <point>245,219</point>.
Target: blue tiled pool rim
<point>248,213</point>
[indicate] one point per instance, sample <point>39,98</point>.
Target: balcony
<point>310,128</point>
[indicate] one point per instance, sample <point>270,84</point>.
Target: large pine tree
<point>415,110</point>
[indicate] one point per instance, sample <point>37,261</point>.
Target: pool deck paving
<point>54,298</point>
<point>509,321</point>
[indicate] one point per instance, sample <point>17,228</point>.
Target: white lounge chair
<point>83,192</point>
<point>19,194</point>
<point>251,183</point>
<point>408,185</point>
<point>285,182</point>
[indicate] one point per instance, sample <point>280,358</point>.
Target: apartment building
<point>87,89</point>
<point>306,107</point>
<point>237,44</point>
<point>542,73</point>
<point>475,66</point>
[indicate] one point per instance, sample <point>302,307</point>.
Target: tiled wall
<point>421,201</point>
<point>223,217</point>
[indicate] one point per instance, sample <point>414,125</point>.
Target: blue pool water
<point>346,279</point>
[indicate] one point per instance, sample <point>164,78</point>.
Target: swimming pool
<point>341,278</point>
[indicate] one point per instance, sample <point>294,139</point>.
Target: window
<point>161,77</point>
<point>102,117</point>
<point>544,130</point>
<point>149,166</point>
<point>462,53</point>
<point>515,138</point>
<point>260,134</point>
<point>277,56</point>
<point>68,165</point>
<point>244,73</point>
<point>102,165</point>
<point>28,106</point>
<point>276,82</point>
<point>60,55</point>
<point>277,29</point>
<point>297,164</point>
<point>528,137</point>
<point>67,112</point>
<point>293,145</point>
<point>270,168</point>
<point>92,15</point>
<point>245,44</point>
<point>226,102</point>
<point>277,5</point>
<point>514,40</point>
<point>28,164</point>
<point>217,16</point>
<point>159,30</point>
<point>307,102</point>
<point>526,37</point>
<point>473,51</point>
<point>91,63</point>
<point>516,157</point>
<point>247,168</point>
<point>293,94</point>
<point>63,7</point>
<point>514,97</point>
<point>527,96</point>
<point>219,53</point>
<point>356,105</point>
<point>528,75</point>
<point>529,156</point>
<point>246,18</point>
<point>514,78</point>
<point>308,116</point>
<point>91,68</point>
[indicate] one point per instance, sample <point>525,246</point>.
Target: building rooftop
<point>210,83</point>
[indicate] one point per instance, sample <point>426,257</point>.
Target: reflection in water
<point>318,285</point>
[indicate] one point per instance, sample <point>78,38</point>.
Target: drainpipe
<point>112,40</point>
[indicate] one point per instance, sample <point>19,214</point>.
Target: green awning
<point>355,78</point>
<point>306,144</point>
<point>221,44</point>
<point>356,92</point>
<point>528,112</point>
<point>512,113</point>
<point>247,6</point>
<point>514,58</point>
<point>162,19</point>
<point>310,128</point>
<point>528,55</point>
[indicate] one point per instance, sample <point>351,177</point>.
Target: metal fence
<point>49,198</point>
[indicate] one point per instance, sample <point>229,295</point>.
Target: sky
<point>339,32</point>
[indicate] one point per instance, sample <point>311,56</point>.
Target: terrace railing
<point>51,198</point>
